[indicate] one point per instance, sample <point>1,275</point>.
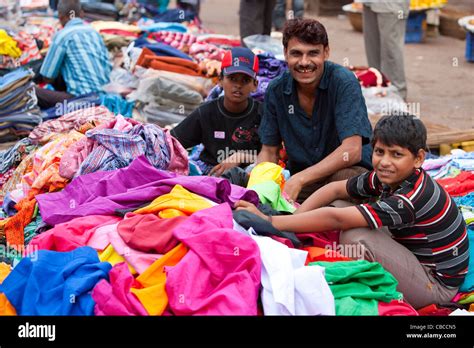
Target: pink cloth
<point>396,308</point>
<point>108,234</point>
<point>178,154</point>
<point>71,235</point>
<point>115,298</point>
<point>220,274</point>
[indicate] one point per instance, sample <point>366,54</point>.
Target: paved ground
<point>439,78</point>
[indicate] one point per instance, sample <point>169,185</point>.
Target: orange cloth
<point>15,226</point>
<point>152,294</point>
<point>6,307</point>
<point>148,59</point>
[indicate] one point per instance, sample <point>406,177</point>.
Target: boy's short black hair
<point>404,130</point>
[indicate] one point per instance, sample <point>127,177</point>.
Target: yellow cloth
<point>111,256</point>
<point>8,46</point>
<point>153,295</point>
<point>178,202</point>
<point>6,307</point>
<point>266,171</point>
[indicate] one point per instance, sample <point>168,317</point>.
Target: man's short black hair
<point>306,30</point>
<point>404,130</point>
<point>69,8</point>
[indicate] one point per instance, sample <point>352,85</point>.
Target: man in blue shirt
<point>77,55</point>
<point>318,111</point>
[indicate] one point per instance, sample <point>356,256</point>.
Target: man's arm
<point>324,196</point>
<point>268,153</point>
<point>346,155</point>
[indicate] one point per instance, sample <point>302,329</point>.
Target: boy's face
<point>237,87</point>
<point>306,61</point>
<point>393,164</point>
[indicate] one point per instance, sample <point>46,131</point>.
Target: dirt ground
<point>438,76</point>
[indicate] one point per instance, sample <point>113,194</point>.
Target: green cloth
<point>357,286</point>
<point>467,299</point>
<point>269,193</point>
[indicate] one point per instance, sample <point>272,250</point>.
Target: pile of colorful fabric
<point>455,172</point>
<point>19,113</point>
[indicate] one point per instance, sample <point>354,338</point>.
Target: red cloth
<point>395,308</point>
<point>320,239</point>
<point>433,310</point>
<point>149,233</point>
<point>460,185</point>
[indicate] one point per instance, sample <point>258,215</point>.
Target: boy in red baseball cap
<point>227,126</point>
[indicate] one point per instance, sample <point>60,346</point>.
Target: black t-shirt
<point>221,132</point>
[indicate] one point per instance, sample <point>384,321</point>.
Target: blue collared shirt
<point>79,54</point>
<point>339,112</point>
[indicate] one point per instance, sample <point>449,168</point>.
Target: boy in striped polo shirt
<point>411,225</point>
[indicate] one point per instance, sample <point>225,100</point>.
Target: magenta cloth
<point>396,308</point>
<point>71,235</point>
<point>115,298</point>
<point>104,192</point>
<point>319,239</point>
<point>220,274</point>
<point>108,234</point>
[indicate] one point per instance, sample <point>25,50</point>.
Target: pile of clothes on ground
<point>99,215</point>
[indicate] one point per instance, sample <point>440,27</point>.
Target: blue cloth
<point>468,284</point>
<point>174,16</point>
<point>55,283</point>
<point>160,26</point>
<point>9,79</point>
<point>9,205</point>
<point>79,54</point>
<point>339,113</point>
<point>9,156</point>
<point>68,106</point>
<point>161,49</point>
<point>117,104</point>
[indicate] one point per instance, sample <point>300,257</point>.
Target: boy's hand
<point>221,168</point>
<point>243,205</point>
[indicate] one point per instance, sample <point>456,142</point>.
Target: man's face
<point>393,164</point>
<point>237,87</point>
<point>306,61</point>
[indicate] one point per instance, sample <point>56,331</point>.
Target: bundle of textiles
<point>19,113</point>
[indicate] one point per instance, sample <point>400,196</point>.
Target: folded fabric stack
<point>28,47</point>
<point>115,34</point>
<point>95,10</point>
<point>18,105</point>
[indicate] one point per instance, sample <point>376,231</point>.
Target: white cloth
<point>290,287</point>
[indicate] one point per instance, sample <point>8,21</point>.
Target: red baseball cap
<point>240,60</point>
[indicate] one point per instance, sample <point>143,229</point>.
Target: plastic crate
<point>416,27</point>
<point>470,47</point>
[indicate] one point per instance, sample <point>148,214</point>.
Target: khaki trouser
<point>342,174</point>
<point>415,282</point>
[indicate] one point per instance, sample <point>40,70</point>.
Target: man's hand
<point>221,168</point>
<point>293,187</point>
<point>243,205</point>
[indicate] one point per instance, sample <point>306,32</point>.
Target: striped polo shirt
<point>79,54</point>
<point>422,217</point>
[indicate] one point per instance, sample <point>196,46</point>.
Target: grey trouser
<point>415,282</point>
<point>384,36</point>
<point>256,17</point>
<point>279,13</point>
